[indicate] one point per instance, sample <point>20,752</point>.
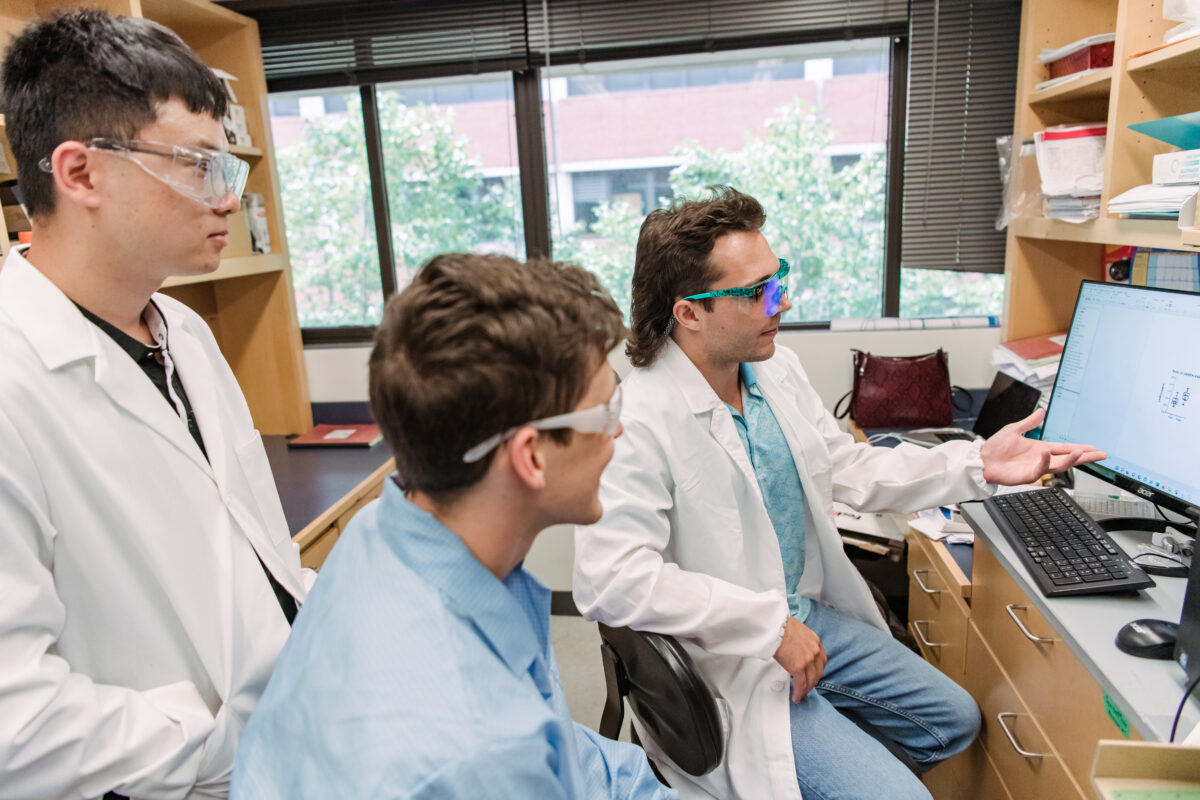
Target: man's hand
<point>802,655</point>
<point>1011,459</point>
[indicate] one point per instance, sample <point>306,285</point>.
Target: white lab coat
<point>686,548</point>
<point>137,628</point>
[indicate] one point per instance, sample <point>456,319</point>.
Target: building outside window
<point>803,128</point>
<point>780,124</point>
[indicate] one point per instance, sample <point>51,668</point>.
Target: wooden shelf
<point>1090,86</point>
<point>235,268</point>
<point>245,152</point>
<point>1162,234</point>
<point>1180,55</point>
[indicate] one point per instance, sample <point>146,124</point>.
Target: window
<point>449,153</point>
<point>326,191</point>
<point>639,104</point>
<point>778,123</point>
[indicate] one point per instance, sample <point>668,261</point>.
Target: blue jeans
<point>871,675</point>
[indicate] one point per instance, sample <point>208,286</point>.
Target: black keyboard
<point>1063,548</point>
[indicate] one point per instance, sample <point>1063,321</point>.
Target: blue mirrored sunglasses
<point>772,290</point>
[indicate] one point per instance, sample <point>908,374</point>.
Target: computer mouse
<point>1148,638</point>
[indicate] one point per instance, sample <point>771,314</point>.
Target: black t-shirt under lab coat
<point>150,360</point>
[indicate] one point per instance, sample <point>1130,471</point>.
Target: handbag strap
<point>839,414</point>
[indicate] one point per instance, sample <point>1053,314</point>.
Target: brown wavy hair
<point>475,345</point>
<point>672,261</point>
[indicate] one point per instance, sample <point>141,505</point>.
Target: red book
<point>1038,350</point>
<point>338,436</point>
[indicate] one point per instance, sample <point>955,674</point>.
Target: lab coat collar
<point>60,335</point>
<point>701,399</point>
<point>698,395</point>
<point>54,327</point>
<point>436,553</point>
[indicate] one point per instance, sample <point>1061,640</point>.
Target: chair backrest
<point>668,695</point>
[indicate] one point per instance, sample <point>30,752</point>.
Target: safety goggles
<point>206,176</point>
<point>769,293</point>
<point>603,419</point>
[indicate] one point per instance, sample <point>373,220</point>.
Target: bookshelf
<point>1046,259</point>
<point>248,301</point>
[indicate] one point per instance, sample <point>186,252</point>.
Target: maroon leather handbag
<point>900,391</point>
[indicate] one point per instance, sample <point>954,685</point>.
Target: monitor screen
<point>1129,383</point>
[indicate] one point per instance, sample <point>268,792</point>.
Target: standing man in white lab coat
<point>147,578</point>
<point>718,525</point>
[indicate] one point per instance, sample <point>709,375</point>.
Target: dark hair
<point>478,344</point>
<point>83,74</point>
<point>673,261</point>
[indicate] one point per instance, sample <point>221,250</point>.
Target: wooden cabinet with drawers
<point>1066,701</point>
<point>937,607</point>
<point>1042,710</point>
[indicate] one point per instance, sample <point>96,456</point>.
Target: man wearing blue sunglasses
<point>718,525</point>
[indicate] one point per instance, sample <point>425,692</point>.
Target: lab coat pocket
<point>182,703</point>
<point>253,460</point>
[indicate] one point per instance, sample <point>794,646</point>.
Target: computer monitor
<point>1129,383</point>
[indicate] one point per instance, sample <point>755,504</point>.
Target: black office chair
<point>668,695</point>
<point>674,703</point>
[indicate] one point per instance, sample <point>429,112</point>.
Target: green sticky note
<point>1156,794</point>
<point>1117,717</point>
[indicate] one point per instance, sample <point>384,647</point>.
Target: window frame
<point>534,182</point>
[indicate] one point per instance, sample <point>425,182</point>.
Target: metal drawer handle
<point>917,577</point>
<point>1031,637</point>
<point>916,623</point>
<point>1011,740</point>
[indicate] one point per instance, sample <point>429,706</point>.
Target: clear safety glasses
<point>603,419</point>
<point>206,176</point>
<point>767,295</point>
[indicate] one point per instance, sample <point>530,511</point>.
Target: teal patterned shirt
<point>779,480</point>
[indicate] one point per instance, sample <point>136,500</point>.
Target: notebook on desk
<point>1008,400</point>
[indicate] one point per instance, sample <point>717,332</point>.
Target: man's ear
<point>75,169</point>
<point>685,315</point>
<point>526,459</point>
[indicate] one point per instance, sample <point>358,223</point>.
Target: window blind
<point>961,92</point>
<point>323,43</point>
<point>589,30</point>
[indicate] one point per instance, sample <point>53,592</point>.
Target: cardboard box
<point>1182,166</point>
<point>1128,767</point>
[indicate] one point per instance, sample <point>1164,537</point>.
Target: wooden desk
<point>1060,682</point>
<point>322,489</point>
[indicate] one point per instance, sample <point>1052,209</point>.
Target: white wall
<point>339,373</point>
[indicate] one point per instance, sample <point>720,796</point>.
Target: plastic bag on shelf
<point>1187,14</point>
<point>1021,195</point>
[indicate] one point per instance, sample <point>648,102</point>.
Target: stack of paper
<point>1038,373</point>
<point>1071,209</point>
<point>1152,200</point>
<point>1070,160</point>
<point>941,523</point>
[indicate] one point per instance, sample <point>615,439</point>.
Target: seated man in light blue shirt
<point>421,665</point>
